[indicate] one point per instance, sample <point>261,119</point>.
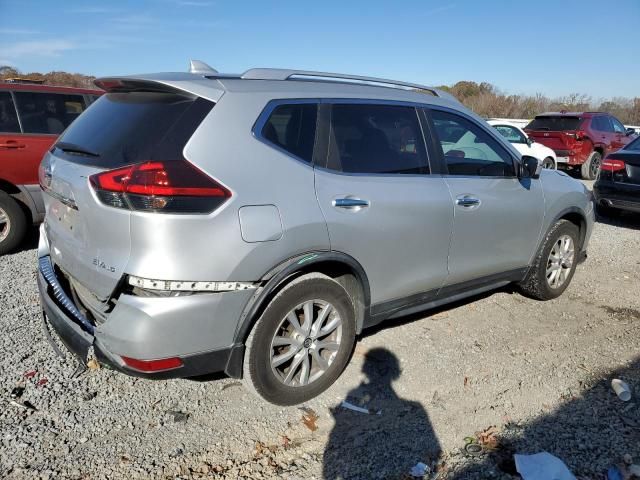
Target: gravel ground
<point>538,372</point>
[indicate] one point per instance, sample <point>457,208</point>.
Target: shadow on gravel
<point>628,220</point>
<point>377,446</point>
<point>30,240</point>
<point>592,431</point>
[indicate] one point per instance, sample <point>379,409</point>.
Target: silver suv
<point>255,224</point>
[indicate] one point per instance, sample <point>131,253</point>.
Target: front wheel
<point>302,341</point>
<point>549,163</point>
<point>554,266</point>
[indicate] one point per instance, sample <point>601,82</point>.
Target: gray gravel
<point>537,371</point>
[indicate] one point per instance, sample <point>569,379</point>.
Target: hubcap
<point>595,166</point>
<point>5,225</point>
<point>560,261</point>
<point>306,343</point>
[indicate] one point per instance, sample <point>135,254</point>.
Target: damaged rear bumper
<point>78,335</point>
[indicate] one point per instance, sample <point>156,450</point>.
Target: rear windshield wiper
<point>75,149</point>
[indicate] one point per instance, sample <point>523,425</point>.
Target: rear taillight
<point>169,186</point>
<point>613,165</point>
<point>579,135</point>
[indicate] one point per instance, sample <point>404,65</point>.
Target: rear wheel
<point>549,163</point>
<point>591,167</point>
<point>555,264</point>
<point>13,223</point>
<point>302,341</point>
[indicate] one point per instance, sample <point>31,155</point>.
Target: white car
<point>524,144</point>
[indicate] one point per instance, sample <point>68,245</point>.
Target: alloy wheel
<point>306,343</point>
<point>560,261</point>
<point>5,224</point>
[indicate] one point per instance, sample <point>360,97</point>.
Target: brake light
<point>612,165</point>
<point>169,186</point>
<point>152,365</point>
<point>581,135</point>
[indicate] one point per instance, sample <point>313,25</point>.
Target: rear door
<point>43,116</point>
<point>382,205</point>
<point>12,145</point>
<point>497,217</point>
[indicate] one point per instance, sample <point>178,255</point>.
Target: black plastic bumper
<point>79,335</point>
<point>619,195</point>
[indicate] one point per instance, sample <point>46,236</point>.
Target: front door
<point>381,204</point>
<point>497,216</point>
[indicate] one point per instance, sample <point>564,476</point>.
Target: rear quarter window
<point>293,128</point>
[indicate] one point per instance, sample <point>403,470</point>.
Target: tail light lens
<point>613,165</point>
<point>580,135</point>
<point>169,186</point>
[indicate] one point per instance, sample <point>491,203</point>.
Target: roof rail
<point>284,74</point>
<point>200,68</point>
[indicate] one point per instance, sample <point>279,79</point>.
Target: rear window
<point>124,128</point>
<point>554,124</point>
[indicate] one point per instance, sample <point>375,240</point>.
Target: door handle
<point>467,201</point>
<point>12,144</point>
<point>350,203</point>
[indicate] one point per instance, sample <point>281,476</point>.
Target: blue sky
<point>554,47</point>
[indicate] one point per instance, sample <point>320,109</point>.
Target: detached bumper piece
<point>78,335</point>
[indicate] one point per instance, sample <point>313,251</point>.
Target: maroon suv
<point>31,118</point>
<point>580,140</point>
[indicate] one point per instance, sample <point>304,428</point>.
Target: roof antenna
<point>201,68</point>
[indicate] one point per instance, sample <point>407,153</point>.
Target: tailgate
<point>556,141</point>
<point>88,241</point>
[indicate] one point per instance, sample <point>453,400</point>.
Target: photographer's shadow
<point>384,445</point>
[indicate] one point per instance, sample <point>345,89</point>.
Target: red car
<point>580,139</point>
<point>31,118</point>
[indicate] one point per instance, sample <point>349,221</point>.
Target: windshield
<point>634,146</point>
<point>554,124</point>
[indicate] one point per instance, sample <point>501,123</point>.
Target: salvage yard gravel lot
<point>539,372</point>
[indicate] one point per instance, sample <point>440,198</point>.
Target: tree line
<point>483,98</point>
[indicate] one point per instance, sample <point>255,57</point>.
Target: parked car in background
<point>524,144</point>
<point>618,185</point>
<point>256,223</point>
<point>31,118</point>
<point>580,139</point>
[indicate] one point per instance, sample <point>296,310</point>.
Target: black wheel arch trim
<point>571,210</point>
<point>291,267</point>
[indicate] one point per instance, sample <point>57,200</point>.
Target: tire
<point>549,163</point>
<point>13,223</point>
<point>538,283</point>
<point>270,382</point>
<point>590,168</point>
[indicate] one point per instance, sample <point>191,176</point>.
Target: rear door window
<point>601,124</point>
<point>8,116</point>
<point>293,128</point>
<point>125,128</point>
<point>376,139</point>
<point>468,149</point>
<point>47,113</point>
<point>554,123</point>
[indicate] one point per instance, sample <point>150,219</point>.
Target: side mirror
<point>529,141</point>
<point>630,131</point>
<point>530,167</point>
